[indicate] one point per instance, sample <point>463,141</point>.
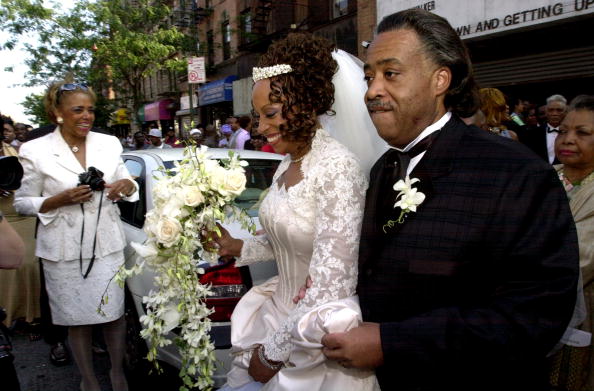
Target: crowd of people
<point>462,259</point>
<point>236,133</point>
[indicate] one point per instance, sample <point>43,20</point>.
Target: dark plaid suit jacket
<point>478,285</point>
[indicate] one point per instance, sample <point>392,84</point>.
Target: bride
<point>311,217</point>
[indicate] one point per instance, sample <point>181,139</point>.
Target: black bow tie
<point>402,159</point>
<point>551,130</point>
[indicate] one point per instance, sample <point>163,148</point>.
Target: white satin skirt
<point>258,314</point>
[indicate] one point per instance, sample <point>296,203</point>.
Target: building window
<point>246,26</point>
<point>339,8</point>
<point>226,35</point>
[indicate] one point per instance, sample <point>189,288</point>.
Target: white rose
<point>192,195</point>
<point>170,317</point>
<point>168,231</point>
<point>173,206</point>
<point>229,181</point>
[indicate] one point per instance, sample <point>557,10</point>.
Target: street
<point>36,373</point>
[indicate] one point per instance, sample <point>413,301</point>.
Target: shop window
<point>226,36</point>
<point>339,8</point>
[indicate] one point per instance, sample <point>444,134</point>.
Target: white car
<point>229,283</point>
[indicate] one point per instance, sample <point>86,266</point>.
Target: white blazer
<point>50,167</point>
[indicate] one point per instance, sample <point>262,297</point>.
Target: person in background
<point>210,136</point>
<point>19,289</point>
<point>20,131</point>
<point>542,140</point>
<point>241,133</point>
<point>10,135</point>
<point>494,108</point>
<point>171,140</point>
<point>7,137</point>
<point>155,138</point>
<point>574,147</point>
<point>517,110</point>
<point>226,131</point>
<point>78,272</point>
<point>139,142</point>
<point>196,136</point>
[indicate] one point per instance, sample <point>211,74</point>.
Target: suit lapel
<point>64,155</point>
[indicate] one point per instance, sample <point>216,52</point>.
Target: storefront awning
<point>217,91</point>
<point>158,110</point>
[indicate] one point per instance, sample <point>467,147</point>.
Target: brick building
<point>231,36</point>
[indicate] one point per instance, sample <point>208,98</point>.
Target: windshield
<point>259,175</point>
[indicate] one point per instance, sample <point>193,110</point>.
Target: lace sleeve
<point>256,249</point>
<point>340,199</point>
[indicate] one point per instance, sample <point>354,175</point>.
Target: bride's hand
<point>226,244</point>
<point>303,290</point>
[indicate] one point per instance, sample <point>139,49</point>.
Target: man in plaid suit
<point>471,290</point>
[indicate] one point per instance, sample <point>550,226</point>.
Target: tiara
<point>267,72</point>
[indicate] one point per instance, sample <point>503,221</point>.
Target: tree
<point>108,43</point>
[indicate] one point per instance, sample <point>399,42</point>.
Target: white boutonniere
<point>407,199</point>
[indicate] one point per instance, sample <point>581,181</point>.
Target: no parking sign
<point>196,71</point>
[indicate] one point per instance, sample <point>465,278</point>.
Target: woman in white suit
<point>80,238</point>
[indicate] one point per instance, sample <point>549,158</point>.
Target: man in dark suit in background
<point>475,287</point>
<point>542,139</point>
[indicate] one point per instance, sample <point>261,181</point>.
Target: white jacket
<point>50,167</point>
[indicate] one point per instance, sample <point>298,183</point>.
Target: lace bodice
<point>311,229</point>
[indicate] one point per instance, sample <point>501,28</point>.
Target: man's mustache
<point>378,105</point>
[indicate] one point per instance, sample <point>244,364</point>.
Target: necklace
<point>298,159</point>
<point>74,148</point>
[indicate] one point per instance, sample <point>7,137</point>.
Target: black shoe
<point>59,354</point>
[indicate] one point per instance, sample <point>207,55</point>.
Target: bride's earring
<point>60,120</point>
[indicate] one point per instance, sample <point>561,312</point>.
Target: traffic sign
<point>196,70</point>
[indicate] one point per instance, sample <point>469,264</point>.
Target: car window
<point>133,212</point>
<point>259,174</point>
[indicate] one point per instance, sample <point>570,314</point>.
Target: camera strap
<point>82,234</point>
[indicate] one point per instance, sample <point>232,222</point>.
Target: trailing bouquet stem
<point>189,199</point>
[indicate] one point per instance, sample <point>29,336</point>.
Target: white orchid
<point>407,199</point>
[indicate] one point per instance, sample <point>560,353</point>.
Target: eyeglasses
<point>73,86</point>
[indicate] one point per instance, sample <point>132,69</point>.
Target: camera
<point>93,177</point>
<point>11,173</point>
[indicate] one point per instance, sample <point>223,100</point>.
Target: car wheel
<point>136,348</point>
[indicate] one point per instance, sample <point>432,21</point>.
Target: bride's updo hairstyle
<point>307,91</point>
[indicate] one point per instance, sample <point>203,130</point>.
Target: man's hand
<point>360,347</point>
<point>259,371</point>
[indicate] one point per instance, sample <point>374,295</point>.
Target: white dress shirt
<point>551,137</point>
<point>428,130</point>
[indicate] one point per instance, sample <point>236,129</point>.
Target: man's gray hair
<point>557,98</point>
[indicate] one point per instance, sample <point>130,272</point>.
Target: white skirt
<point>74,300</point>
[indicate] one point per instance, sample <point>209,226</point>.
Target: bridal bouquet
<point>188,202</point>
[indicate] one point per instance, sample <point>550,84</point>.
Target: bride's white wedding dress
<point>312,229</point>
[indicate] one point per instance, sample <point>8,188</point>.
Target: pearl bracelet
<point>264,360</point>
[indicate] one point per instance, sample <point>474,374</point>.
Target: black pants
<point>52,334</point>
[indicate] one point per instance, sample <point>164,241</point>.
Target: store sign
<point>196,70</point>
<point>184,102</point>
<point>474,18</point>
